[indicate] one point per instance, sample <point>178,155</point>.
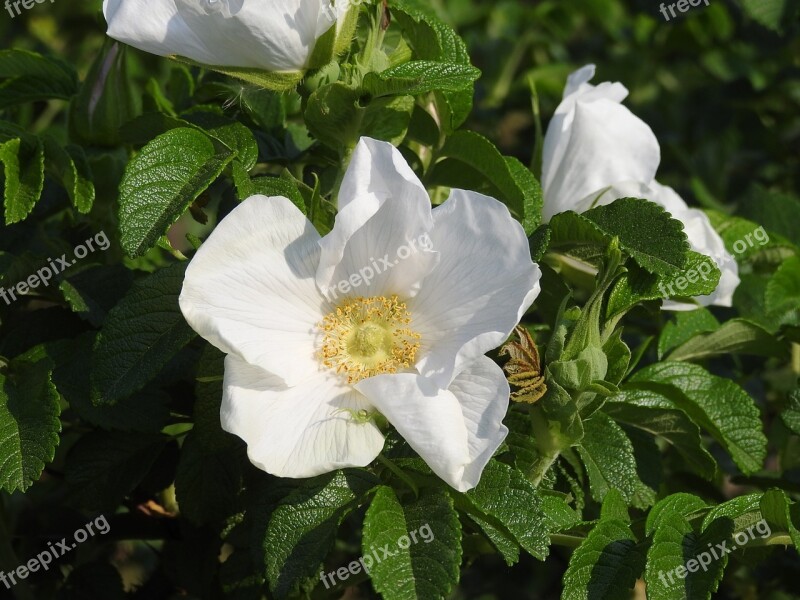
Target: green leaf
<point>558,515</point>
<point>141,334</point>
<point>507,496</point>
<point>507,179</point>
<point>434,40</point>
<point>745,240</point>
<point>737,336</point>
<point>607,454</point>
<point>772,14</point>
<point>783,289</point>
<point>682,504</point>
<point>718,405</point>
<point>742,510</point>
<point>423,538</point>
<point>673,426</point>
<point>618,357</point>
<point>699,277</point>
<point>29,424</point>
<point>539,240</point>
<point>686,325</point>
<point>210,469</point>
<point>147,411</point>
<point>233,134</point>
<point>606,565</point>
<point>23,167</point>
<point>103,467</point>
<point>791,414</point>
<point>680,564</point>
<point>776,510</point>
<point>285,185</point>
<point>162,181</point>
<point>776,211</point>
<point>93,292</point>
<point>646,233</point>
<point>70,167</point>
<point>29,77</point>
<point>419,77</point>
<point>303,528</point>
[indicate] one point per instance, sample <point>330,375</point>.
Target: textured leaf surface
<point>421,76</point>
<point>508,180</point>
<point>303,527</point>
<point>646,233</point>
<point>103,467</point>
<point>607,453</point>
<point>29,425</point>
<point>671,425</point>
<point>162,181</point>
<point>30,77</point>
<point>737,336</point>
<point>23,167</point>
<point>605,566</point>
<point>141,334</point>
<point>674,570</point>
<point>426,568</point>
<point>506,495</point>
<point>718,405</point>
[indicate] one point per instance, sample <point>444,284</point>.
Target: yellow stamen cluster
<point>364,337</point>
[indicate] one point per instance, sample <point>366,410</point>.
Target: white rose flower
<point>596,151</point>
<point>308,363</point>
<point>273,35</point>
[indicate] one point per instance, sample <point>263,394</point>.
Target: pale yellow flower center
<point>364,337</point>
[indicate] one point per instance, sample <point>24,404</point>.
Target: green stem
<point>536,159</point>
<point>796,359</point>
<point>400,473</point>
<point>570,541</point>
<point>549,450</point>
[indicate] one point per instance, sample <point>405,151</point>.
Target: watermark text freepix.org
<point>715,552</point>
<point>376,555</point>
<point>682,6</point>
<point>43,559</point>
<point>26,4</point>
<point>382,264</point>
<point>54,267</point>
<point>703,270</point>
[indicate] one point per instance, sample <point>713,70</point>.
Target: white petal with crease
<point>455,431</point>
<point>605,143</point>
<point>250,288</point>
<point>301,431</point>
<point>384,210</point>
<point>278,35</point>
<point>483,284</point>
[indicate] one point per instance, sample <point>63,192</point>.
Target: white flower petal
<point>278,35</point>
<point>455,431</point>
<point>593,142</point>
<point>301,431</point>
<point>384,215</point>
<point>480,289</point>
<point>483,393</point>
<point>429,419</point>
<point>250,288</point>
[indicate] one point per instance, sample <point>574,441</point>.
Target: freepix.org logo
<point>13,6</point>
<point>376,555</point>
<point>43,560</point>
